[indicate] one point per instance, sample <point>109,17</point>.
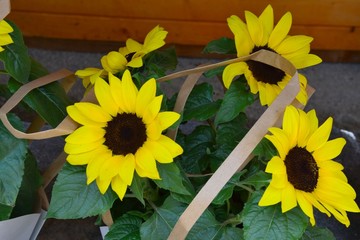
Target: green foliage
<point>270,222</point>
<point>221,46</point>
<point>73,198</point>
<point>12,163</point>
<point>127,227</point>
<point>317,233</point>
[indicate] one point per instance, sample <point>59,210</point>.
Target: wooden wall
<point>335,24</point>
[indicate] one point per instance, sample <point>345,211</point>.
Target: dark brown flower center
<point>129,56</point>
<point>263,72</point>
<point>125,133</point>
<point>302,170</point>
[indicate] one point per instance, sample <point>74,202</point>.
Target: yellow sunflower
<point>122,134</point>
<point>5,38</point>
<point>304,173</point>
<point>129,56</point>
<point>259,33</point>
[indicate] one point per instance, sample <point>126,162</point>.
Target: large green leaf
<point>49,101</point>
<point>171,179</point>
<point>227,191</point>
<point>196,145</point>
<point>257,180</point>
<point>160,224</point>
<point>235,101</point>
<point>138,186</point>
<point>12,157</point>
<point>127,227</point>
<point>222,46</point>
<point>270,223</point>
<point>317,233</point>
<point>28,198</point>
<point>73,198</point>
<point>200,104</point>
<point>16,57</point>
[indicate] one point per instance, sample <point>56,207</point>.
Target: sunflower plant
<point>135,159</point>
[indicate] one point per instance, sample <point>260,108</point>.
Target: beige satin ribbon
<point>4,8</point>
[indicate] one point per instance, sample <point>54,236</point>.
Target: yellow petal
<point>329,150</point>
<point>167,119</point>
<point>253,83</point>
<point>277,144</point>
<point>119,186</point>
<point>341,217</point>
<point>231,71</point>
<point>300,52</point>
<point>302,96</point>
<point>280,31</point>
<point>126,168</point>
<point>103,95</point>
<point>78,117</point>
<point>276,165</point>
<point>85,134</point>
<point>160,153</point>
<point>133,46</point>
<point>153,130</point>
<point>129,93</point>
<point>114,62</point>
<point>324,172</point>
<point>136,62</point>
<point>5,39</point>
<point>86,157</point>
<point>5,27</point>
<point>270,197</point>
<point>243,41</point>
<point>152,109</point>
<point>304,129</point>
<point>262,94</point>
<point>116,91</point>
<point>293,43</point>
<point>279,181</point>
<point>145,96</point>
<point>320,136</point>
<point>333,188</point>
<point>283,140</point>
<point>291,124</point>
<point>93,112</point>
<point>313,120</point>
<point>103,184</point>
<point>109,169</point>
<point>305,206</point>
<point>87,72</point>
<point>255,28</point>
<point>288,200</point>
<point>330,165</point>
<point>146,164</point>
<point>314,201</point>
<point>267,20</point>
<point>154,39</point>
<point>271,93</point>
<point>94,166</point>
<point>303,61</point>
<point>174,148</point>
<point>71,148</point>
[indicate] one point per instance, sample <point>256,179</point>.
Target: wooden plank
<point>180,32</point>
<point>305,12</point>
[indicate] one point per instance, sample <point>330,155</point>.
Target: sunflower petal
<point>329,150</point>
<point>145,96</point>
<point>277,144</point>
<point>341,217</point>
<point>267,20</point>
<point>116,90</point>
<point>154,39</point>
<point>126,168</point>
<point>94,166</point>
<point>86,157</point>
<point>243,41</point>
<point>78,117</point>
<point>303,61</point>
<point>146,164</point>
<point>118,186</point>
<point>280,31</point>
<point>129,92</point>
<point>320,136</point>
<point>160,153</point>
<point>291,124</point>
<point>293,44</point>
<point>71,148</point>
<point>231,71</point>
<point>136,62</point>
<point>288,200</point>
<point>103,184</point>
<point>270,197</point>
<point>255,28</point>
<point>85,134</point>
<point>152,109</point>
<point>103,95</point>
<point>276,165</point>
<point>109,169</point>
<point>133,46</point>
<point>174,148</point>
<point>167,119</point>
<point>304,128</point>
<point>279,181</point>
<point>305,206</point>
<point>92,111</point>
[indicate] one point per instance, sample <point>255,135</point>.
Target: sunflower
<point>304,173</point>
<point>259,33</point>
<point>121,134</point>
<point>5,38</point>
<point>129,56</point>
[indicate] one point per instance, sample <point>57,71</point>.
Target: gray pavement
<point>337,94</point>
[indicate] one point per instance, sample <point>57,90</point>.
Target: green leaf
<point>317,233</point>
<point>222,46</point>
<point>160,224</point>
<point>171,179</point>
<point>28,198</point>
<point>258,180</point>
<point>127,227</point>
<point>5,212</point>
<point>200,104</point>
<point>12,157</point>
<point>16,57</point>
<point>270,222</point>
<point>265,149</point>
<point>138,186</point>
<point>214,72</point>
<point>235,101</point>
<point>227,191</point>
<point>49,101</point>
<point>73,198</point>
<point>193,160</point>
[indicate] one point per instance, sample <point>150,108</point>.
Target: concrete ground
<point>337,94</point>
